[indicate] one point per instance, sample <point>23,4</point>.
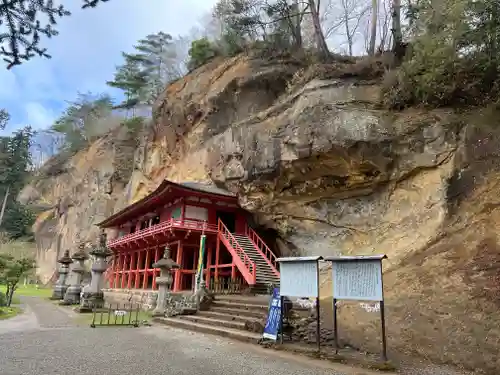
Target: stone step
<point>249,300</point>
<point>223,316</point>
<point>240,306</point>
<point>238,312</point>
<point>231,333</point>
<point>214,322</point>
<point>267,277</point>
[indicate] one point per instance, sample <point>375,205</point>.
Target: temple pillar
<point>146,267</point>
<point>133,268</point>
<point>124,275</point>
<point>137,271</point>
<point>178,274</point>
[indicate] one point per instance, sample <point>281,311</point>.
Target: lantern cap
<point>65,259</point>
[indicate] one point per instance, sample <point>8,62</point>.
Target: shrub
<point>201,51</point>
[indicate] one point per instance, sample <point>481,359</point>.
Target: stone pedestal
<point>60,287</point>
<point>72,296</point>
<point>164,281</point>
<point>93,296</point>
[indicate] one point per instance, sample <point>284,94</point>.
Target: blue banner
<point>273,317</point>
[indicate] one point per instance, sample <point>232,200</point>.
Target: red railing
<point>242,260</point>
<point>159,228</point>
<point>265,251</point>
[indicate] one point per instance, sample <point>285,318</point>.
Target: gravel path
<point>45,341</point>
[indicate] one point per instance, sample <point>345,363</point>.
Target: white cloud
<point>38,116</point>
<point>86,51</point>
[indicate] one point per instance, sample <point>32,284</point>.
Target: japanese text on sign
<point>273,317</point>
<point>299,279</point>
<point>358,280</point>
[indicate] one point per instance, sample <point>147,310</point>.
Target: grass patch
<point>28,291</point>
<point>9,312</point>
<point>86,319</point>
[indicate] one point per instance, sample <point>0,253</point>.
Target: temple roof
<point>207,188</point>
<point>150,201</point>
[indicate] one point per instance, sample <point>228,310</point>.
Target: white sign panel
<point>357,280</point>
<point>194,212</point>
<point>299,279</point>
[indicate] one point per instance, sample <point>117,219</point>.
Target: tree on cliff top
<point>4,118</point>
<point>81,122</point>
<point>145,72</point>
<point>25,22</point>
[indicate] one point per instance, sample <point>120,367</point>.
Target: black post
<point>130,312</point>
<point>137,316</point>
<point>318,328</point>
<point>384,339</point>
<point>93,316</point>
<point>281,319</point>
<point>382,316</point>
<point>335,326</point>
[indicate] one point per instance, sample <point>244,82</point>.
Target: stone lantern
<point>72,296</point>
<point>164,281</point>
<point>61,287</point>
<point>92,295</point>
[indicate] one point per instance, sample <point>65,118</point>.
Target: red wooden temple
<point>176,215</point>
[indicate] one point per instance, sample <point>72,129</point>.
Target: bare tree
<point>373,28</point>
<point>397,35</point>
<point>320,37</point>
<point>348,15</point>
<point>383,26</point>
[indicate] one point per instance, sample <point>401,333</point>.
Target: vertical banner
<point>199,271</point>
<point>273,317</point>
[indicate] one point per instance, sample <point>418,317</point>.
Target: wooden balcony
<point>157,231</point>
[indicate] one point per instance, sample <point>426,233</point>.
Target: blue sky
<point>85,53</point>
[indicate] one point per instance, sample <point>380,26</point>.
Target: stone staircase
<point>265,273</point>
<point>238,317</point>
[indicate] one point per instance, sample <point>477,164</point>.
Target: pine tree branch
<point>21,20</point>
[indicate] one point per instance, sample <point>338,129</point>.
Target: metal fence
<point>116,314</point>
<point>226,286</point>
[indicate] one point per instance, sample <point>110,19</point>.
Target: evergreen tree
<point>201,51</point>
<point>145,72</point>
<point>4,118</point>
<point>132,80</point>
<point>80,121</point>
<point>157,56</point>
<point>15,164</point>
<point>25,22</point>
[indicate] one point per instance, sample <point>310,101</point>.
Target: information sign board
<point>299,279</point>
<point>357,280</point>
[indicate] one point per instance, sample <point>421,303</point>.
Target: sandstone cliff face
<point>312,155</point>
<point>76,193</point>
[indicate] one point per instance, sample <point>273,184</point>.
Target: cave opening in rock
<point>270,236</point>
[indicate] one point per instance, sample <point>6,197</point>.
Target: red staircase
<point>252,256</point>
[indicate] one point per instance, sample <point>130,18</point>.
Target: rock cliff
<point>312,154</point>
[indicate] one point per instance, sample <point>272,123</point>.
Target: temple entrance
<point>228,218</point>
